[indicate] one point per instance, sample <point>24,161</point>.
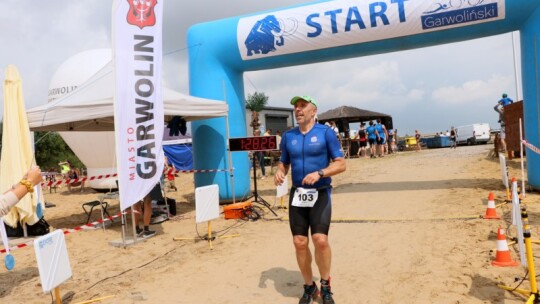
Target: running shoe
<point>148,233</point>
<point>139,231</point>
<point>310,293</point>
<point>326,294</point>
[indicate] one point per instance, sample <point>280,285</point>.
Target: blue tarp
<point>437,141</point>
<point>179,155</point>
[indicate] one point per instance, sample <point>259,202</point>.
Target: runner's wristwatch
<point>321,173</point>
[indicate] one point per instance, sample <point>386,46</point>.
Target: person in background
<point>395,141</point>
<point>381,139</point>
<point>505,100</point>
<point>170,173</point>
<point>72,174</point>
<point>260,157</point>
<point>390,141</point>
<point>64,169</point>
<point>372,139</point>
<point>502,139</point>
<point>310,207</point>
<point>418,137</point>
<point>50,178</point>
<point>453,138</point>
<point>12,196</point>
<point>146,212</point>
<point>335,129</point>
<point>278,138</point>
<point>499,108</point>
<point>361,136</point>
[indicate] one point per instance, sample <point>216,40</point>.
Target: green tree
<point>52,149</point>
<point>255,103</point>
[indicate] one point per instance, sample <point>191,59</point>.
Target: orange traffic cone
<point>491,212</point>
<point>503,257</point>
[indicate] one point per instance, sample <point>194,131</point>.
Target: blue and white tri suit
<point>382,135</point>
<point>308,153</point>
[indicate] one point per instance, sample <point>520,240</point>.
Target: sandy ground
<point>406,230</point>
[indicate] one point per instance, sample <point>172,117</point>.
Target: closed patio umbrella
<point>16,155</point>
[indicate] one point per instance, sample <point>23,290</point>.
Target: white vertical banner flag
<point>138,100</point>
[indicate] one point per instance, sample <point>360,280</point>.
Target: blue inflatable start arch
<point>221,51</point>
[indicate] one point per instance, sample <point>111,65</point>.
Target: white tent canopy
<point>90,107</point>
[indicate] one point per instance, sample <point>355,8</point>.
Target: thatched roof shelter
<point>345,114</point>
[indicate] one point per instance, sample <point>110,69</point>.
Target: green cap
<point>304,97</point>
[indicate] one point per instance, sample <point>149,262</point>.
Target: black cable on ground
<point>522,280</point>
<point>140,266</point>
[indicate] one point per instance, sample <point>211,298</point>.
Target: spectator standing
<point>382,137</point>
<point>260,157</point>
<point>396,141</point>
<point>72,174</point>
<point>391,141</point>
<point>278,138</point>
<point>64,169</point>
<point>170,172</point>
<point>372,139</point>
<point>335,129</point>
<point>146,212</point>
<point>361,136</point>
<point>418,137</point>
<point>453,138</point>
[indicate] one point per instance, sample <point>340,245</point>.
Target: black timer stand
<point>256,198</point>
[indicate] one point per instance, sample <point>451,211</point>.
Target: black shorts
<point>155,194</point>
<point>363,143</point>
<point>381,141</point>
<point>372,141</point>
<point>301,219</point>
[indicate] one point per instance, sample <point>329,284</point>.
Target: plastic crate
<point>236,211</point>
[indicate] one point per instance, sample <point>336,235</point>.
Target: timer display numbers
<point>256,143</point>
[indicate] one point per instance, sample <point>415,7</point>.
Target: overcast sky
<point>429,89</point>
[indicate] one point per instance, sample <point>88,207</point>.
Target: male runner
<point>308,150</point>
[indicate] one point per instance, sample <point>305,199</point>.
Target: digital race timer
<point>257,143</point>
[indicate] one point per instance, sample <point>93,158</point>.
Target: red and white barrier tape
<point>531,147</point>
<point>83,179</point>
<point>75,180</point>
<point>201,171</point>
<point>68,231</point>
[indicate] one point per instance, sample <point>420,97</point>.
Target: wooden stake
<point>58,299</point>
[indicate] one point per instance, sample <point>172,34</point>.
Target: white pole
<point>123,217</point>
<point>231,172</point>
<point>515,68</point>
<point>521,154</point>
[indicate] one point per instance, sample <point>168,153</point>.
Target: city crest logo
<point>454,12</point>
<point>141,13</point>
